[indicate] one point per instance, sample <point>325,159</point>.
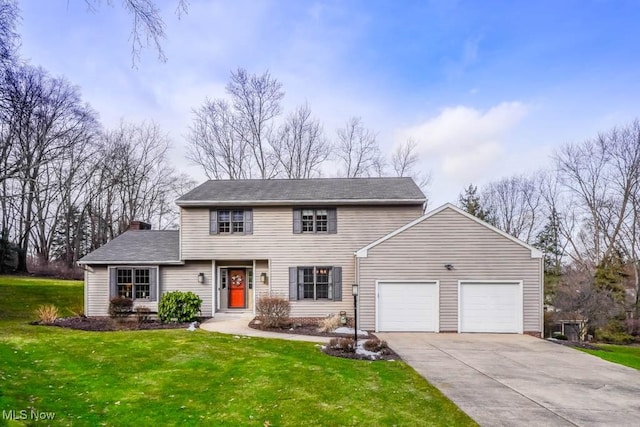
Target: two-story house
<point>310,240</point>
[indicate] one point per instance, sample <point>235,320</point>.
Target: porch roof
<point>138,247</point>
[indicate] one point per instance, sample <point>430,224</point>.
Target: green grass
<point>621,354</point>
<point>176,377</point>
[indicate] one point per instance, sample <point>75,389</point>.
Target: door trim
<point>218,292</point>
<point>520,302</point>
<point>412,281</point>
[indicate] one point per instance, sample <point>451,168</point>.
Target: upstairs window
<point>308,220</point>
<point>231,221</point>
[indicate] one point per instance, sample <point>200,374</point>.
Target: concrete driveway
<point>516,380</point>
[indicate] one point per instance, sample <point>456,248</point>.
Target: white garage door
<point>490,307</point>
<point>406,306</point>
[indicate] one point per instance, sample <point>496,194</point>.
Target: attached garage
<point>448,271</point>
<point>407,306</point>
<point>490,306</point>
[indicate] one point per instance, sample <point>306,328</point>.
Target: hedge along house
<point>310,240</point>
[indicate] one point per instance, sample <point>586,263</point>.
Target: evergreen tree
<point>548,241</point>
<point>470,202</point>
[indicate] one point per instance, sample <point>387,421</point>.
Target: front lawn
<point>176,377</point>
<point>622,354</point>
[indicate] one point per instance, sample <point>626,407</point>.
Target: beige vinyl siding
<point>171,278</point>
<point>97,291</point>
<point>273,239</point>
<point>261,289</point>
<point>185,278</point>
<point>476,252</point>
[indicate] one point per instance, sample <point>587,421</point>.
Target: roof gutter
<point>129,262</point>
<point>342,202</point>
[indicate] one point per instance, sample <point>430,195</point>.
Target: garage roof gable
<point>362,252</point>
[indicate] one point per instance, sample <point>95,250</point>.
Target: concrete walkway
<point>237,324</point>
<point>518,380</point>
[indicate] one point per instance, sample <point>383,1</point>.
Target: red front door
<point>237,288</point>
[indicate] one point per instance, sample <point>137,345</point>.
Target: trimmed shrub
<point>559,336</point>
<point>47,313</point>
<point>120,307</point>
<point>614,337</point>
<point>273,312</point>
<point>345,344</point>
<point>375,345</point>
<point>329,324</point>
<point>179,306</point>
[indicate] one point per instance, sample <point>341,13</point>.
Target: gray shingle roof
<point>138,246</point>
<point>304,191</point>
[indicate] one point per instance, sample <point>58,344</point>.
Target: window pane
<point>322,282</point>
<point>224,221</point>
<point>238,221</point>
<point>307,280</point>
<point>321,220</point>
<point>124,283</point>
<point>307,220</point>
<point>142,287</point>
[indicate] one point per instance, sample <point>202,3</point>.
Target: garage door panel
<point>411,307</point>
<point>490,307</point>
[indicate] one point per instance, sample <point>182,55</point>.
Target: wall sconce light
<point>201,278</point>
<point>263,278</point>
<point>448,266</point>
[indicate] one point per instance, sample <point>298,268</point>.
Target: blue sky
<point>487,88</point>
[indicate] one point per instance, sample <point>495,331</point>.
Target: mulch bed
<point>303,326</point>
<point>104,324</point>
<point>309,326</point>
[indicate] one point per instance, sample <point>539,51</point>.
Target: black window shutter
<point>113,278</point>
<point>213,221</point>
<point>153,284</point>
<point>293,283</point>
<point>332,227</point>
<point>248,221</point>
<point>297,221</point>
<point>300,283</point>
<point>337,283</point>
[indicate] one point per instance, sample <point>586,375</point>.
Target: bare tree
<point>578,299</point>
<point>8,34</point>
<point>405,162</point>
<point>256,102</point>
<point>224,134</point>
<point>147,26</point>
<point>301,147</point>
<point>42,119</point>
<point>357,150</point>
<point>214,143</point>
<point>516,206</point>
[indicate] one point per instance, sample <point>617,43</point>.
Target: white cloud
<point>464,144</point>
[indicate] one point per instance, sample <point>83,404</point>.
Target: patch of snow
<point>347,330</point>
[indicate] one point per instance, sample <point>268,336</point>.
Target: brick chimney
<point>139,225</point>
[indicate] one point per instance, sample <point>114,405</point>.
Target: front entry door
<point>237,288</point>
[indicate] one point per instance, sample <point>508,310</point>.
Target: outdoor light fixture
<point>263,278</point>
<point>448,266</point>
<point>354,291</point>
<point>201,278</point>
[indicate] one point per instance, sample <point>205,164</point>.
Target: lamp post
<point>354,290</point>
